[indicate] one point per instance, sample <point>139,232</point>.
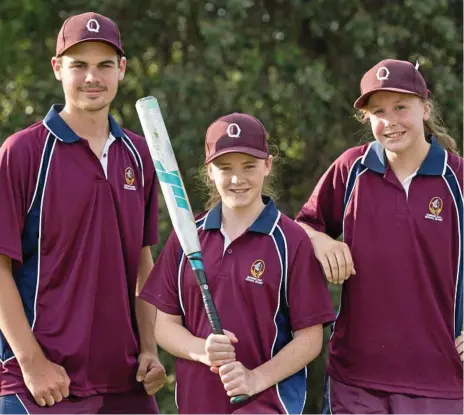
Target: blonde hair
<point>434,125</point>
<point>209,187</point>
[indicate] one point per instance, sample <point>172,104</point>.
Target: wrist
<point>197,353</point>
<point>28,358</point>
<point>260,381</point>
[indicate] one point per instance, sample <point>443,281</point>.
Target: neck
<point>406,163</point>
<point>237,220</point>
<point>91,125</point>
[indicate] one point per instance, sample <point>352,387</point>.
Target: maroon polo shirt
<point>75,236</point>
<point>400,313</point>
<point>266,285</point>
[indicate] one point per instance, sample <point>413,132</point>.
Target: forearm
<point>178,341</point>
<point>304,348</point>
<point>145,313</point>
<point>146,317</point>
<point>309,230</point>
<point>13,321</point>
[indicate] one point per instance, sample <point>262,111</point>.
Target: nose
<point>91,75</point>
<point>389,120</point>
<point>235,179</point>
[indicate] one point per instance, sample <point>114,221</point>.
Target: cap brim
<point>259,154</point>
<point>361,102</point>
<point>119,49</point>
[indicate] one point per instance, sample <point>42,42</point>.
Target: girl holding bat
<point>397,342</point>
<point>265,280</point>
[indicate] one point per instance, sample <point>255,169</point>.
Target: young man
<point>78,213</point>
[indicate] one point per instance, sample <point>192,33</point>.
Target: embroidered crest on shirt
<point>130,179</point>
<point>256,270</point>
<point>435,208</point>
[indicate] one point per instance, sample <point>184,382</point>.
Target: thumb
<point>353,272</point>
<point>142,370</point>
<point>214,370</point>
<point>231,336</point>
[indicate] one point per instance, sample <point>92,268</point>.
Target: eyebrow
<point>394,102</point>
<point>105,62</point>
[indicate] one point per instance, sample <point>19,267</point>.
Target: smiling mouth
<point>239,191</point>
<point>395,134</point>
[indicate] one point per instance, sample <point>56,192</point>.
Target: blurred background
<point>294,64</point>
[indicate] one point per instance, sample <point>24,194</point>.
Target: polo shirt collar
<point>265,222</point>
<point>433,165</point>
<point>58,127</point>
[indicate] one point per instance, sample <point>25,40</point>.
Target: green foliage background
<point>295,64</point>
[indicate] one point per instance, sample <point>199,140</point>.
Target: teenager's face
<point>397,120</point>
<point>90,73</point>
<point>239,178</point>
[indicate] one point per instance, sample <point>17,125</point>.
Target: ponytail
<point>434,125</point>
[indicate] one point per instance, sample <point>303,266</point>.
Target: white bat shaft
<point>168,173</point>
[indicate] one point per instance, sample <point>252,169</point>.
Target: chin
<point>93,106</point>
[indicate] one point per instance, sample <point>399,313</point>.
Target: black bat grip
<point>210,307</point>
<point>213,316</point>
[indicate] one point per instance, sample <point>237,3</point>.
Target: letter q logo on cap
<point>233,130</point>
<point>382,73</point>
<point>93,26</point>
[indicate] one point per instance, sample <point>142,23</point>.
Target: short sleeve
<point>325,207</point>
<point>161,287</point>
<point>17,180</point>
<point>309,298</point>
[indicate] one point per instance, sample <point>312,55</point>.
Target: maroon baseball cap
<point>392,75</point>
<point>88,27</point>
<point>236,133</point>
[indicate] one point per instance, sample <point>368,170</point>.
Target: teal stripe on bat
<point>173,179</point>
<point>196,262</point>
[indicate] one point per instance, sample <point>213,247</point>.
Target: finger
<point>232,385</point>
<point>459,340</point>
<point>40,401</point>
<point>342,268</point>
<point>460,348</point>
<point>64,390</point>
<point>219,347</point>
<point>348,261</point>
<point>227,367</point>
<point>326,269</point>
<point>231,336</point>
<point>241,390</point>
<point>220,363</point>
<point>222,356</point>
<point>333,267</point>
<point>153,388</point>
<point>56,394</point>
<point>214,370</point>
<point>64,384</point>
<point>142,370</point>
<point>154,375</point>
<point>220,338</point>
<point>49,399</point>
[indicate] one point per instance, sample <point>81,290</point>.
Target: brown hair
<point>269,187</point>
<point>434,125</point>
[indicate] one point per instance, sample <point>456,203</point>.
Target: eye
<point>378,111</point>
<point>106,65</point>
<point>78,66</point>
<point>225,168</point>
<point>250,166</point>
<point>400,107</point>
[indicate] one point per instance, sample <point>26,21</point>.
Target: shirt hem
<point>158,304</point>
<point>402,389</point>
<point>11,254</point>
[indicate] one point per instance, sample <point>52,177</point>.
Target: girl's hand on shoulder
<point>219,349</point>
<point>460,346</point>
<point>334,257</point>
